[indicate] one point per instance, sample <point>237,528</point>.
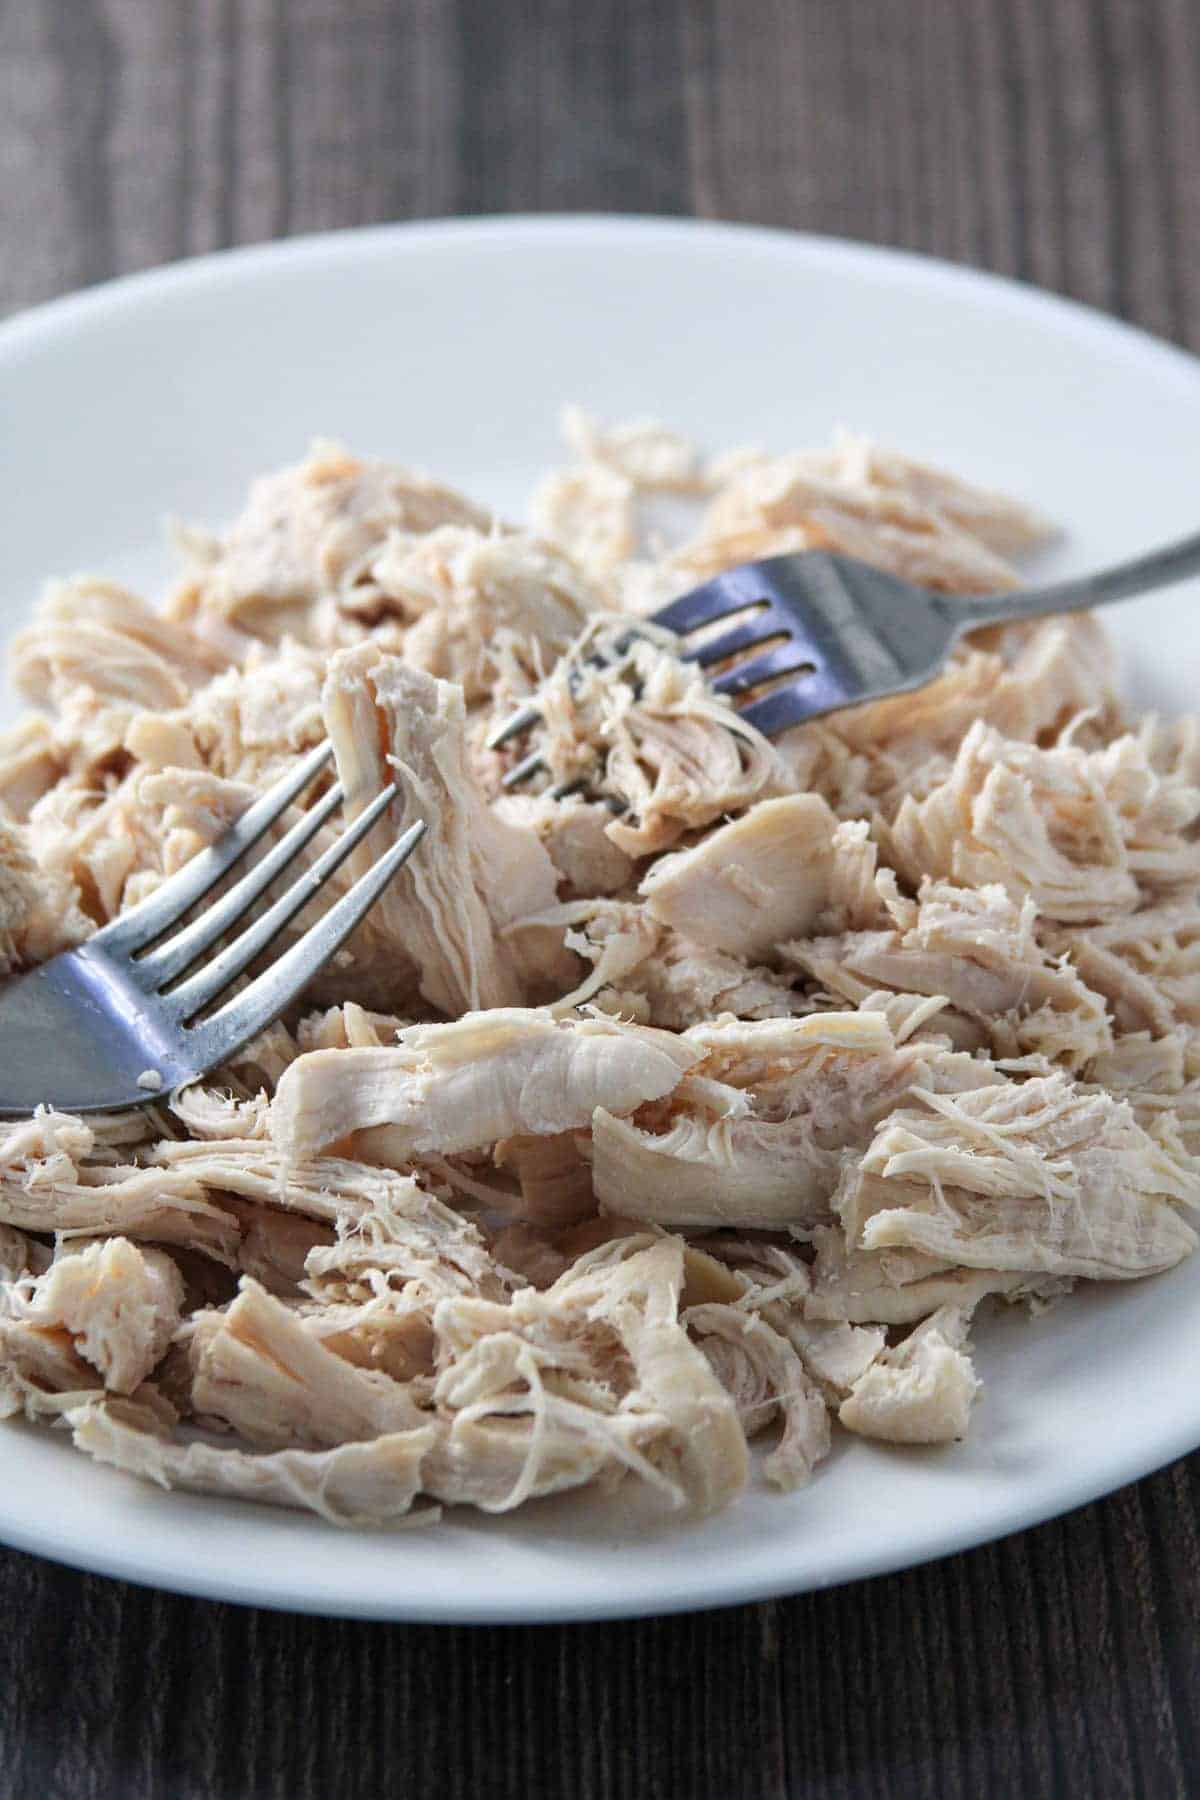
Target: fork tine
<point>213,1040</point>
<point>522,771</point>
<point>706,604</point>
<point>185,1001</point>
<point>134,929</point>
<point>785,659</point>
<point>524,719</point>
<point>158,967</point>
<point>752,631</point>
<point>788,706</point>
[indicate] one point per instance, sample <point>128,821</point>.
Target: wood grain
<point>1059,143</point>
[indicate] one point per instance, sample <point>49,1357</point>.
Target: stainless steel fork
<point>111,1024</point>
<point>807,634</point>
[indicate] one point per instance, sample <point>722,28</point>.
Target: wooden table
<point>1056,140</point>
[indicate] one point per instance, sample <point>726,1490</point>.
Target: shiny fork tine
<point>751,632</point>
<point>160,966</point>
<point>523,771</point>
<point>784,659</point>
<point>806,698</point>
<point>704,605</point>
<point>523,720</point>
<point>133,930</point>
<point>191,996</point>
<point>215,1039</point>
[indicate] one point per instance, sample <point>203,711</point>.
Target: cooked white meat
<point>1036,1175</point>
<point>574,833</point>
<point>647,732</point>
<point>877,505</point>
<point>307,534</point>
<point>590,511</point>
<point>645,452</point>
<point>703,1449</point>
<point>772,874</point>
<point>920,1392</point>
<point>1086,833</point>
<point>40,912</point>
<point>20,1255</point>
<point>492,1075</point>
<point>460,591</point>
<point>979,950</point>
<point>371,1483</point>
<point>258,1370</point>
<point>554,1175</point>
<point>119,1303</point>
<point>681,984</point>
<point>275,1245</point>
<point>55,1176</point>
<point>778,1285</point>
<point>447,908</point>
<point>765,1377</point>
<point>42,1374</point>
<point>328,1188</point>
<point>857,1287</point>
<point>407,1243</point>
<point>616,938</point>
<point>754,1135</point>
<point>247,723</point>
<point>901,1012</point>
<point>95,638</point>
<point>31,762</point>
<point>348,1027</point>
<point>535,1398</point>
<point>212,1113</point>
<point>1146,964</point>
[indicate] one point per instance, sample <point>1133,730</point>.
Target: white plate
<point>452,346</point>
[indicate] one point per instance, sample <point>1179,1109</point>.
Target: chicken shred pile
<point>706,1102</point>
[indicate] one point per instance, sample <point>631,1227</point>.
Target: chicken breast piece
<point>447,908</point>
<point>765,1378</point>
<point>256,1368</point>
<point>979,949</point>
<point>764,877</point>
<point>55,1176</point>
<point>446,1088</point>
<point>40,911</point>
<point>902,516</point>
<point>1038,1176</point>
<point>42,1375</point>
<point>1085,833</point>
<point>637,1292</point>
<point>462,590</point>
<point>119,1303</point>
<point>371,1483</point>
<point>646,731</point>
<point>310,531</point>
<point>920,1392</point>
<point>574,831</point>
<point>755,1137</point>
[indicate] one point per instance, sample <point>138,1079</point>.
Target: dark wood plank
<point>1058,143</point>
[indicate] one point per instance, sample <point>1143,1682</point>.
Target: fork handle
<point>1160,568</point>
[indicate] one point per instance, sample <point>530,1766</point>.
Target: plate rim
<point>694,1588</point>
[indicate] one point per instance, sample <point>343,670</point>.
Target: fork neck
<point>1159,568</point>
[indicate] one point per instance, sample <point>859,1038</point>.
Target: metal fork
<point>111,1025</point>
<point>810,633</point>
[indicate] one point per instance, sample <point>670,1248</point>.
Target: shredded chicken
<point>922,1391</point>
<point>488,1076</point>
<point>119,1304</point>
<point>701,1089</point>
